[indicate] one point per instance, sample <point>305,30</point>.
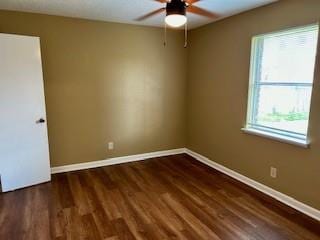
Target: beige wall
<point>107,82</point>
<point>218,77</point>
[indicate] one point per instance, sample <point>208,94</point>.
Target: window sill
<point>277,137</point>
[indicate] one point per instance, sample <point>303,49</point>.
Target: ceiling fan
<point>176,12</point>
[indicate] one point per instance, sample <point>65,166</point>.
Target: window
<point>281,79</point>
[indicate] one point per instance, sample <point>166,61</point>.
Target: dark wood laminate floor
<point>172,197</point>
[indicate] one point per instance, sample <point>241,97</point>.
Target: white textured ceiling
<point>125,11</point>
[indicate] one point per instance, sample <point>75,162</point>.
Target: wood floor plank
<point>90,229</point>
<point>122,229</point>
<point>202,230</point>
<point>173,197</point>
<point>66,197</point>
<point>80,200</point>
<point>96,208</point>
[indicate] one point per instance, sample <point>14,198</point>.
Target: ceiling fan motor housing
<point>176,7</point>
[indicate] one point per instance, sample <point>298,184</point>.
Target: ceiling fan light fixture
<point>176,20</point>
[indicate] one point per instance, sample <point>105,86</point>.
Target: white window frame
<point>254,84</point>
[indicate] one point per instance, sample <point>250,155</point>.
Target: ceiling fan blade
<point>160,10</point>
<point>202,12</point>
<point>192,1</point>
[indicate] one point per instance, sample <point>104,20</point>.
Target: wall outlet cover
<point>273,172</point>
<point>110,145</point>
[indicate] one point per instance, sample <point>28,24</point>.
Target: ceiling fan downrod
<point>186,35</point>
<point>176,15</point>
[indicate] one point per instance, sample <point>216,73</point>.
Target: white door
<point>24,152</point>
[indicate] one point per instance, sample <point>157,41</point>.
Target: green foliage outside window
<point>279,117</point>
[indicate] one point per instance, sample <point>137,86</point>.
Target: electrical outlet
<point>273,172</point>
<point>110,146</point>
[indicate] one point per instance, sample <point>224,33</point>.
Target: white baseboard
<point>301,207</point>
<point>115,160</point>
<point>312,212</point>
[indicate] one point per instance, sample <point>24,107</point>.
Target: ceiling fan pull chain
<point>186,35</point>
<point>165,34</point>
